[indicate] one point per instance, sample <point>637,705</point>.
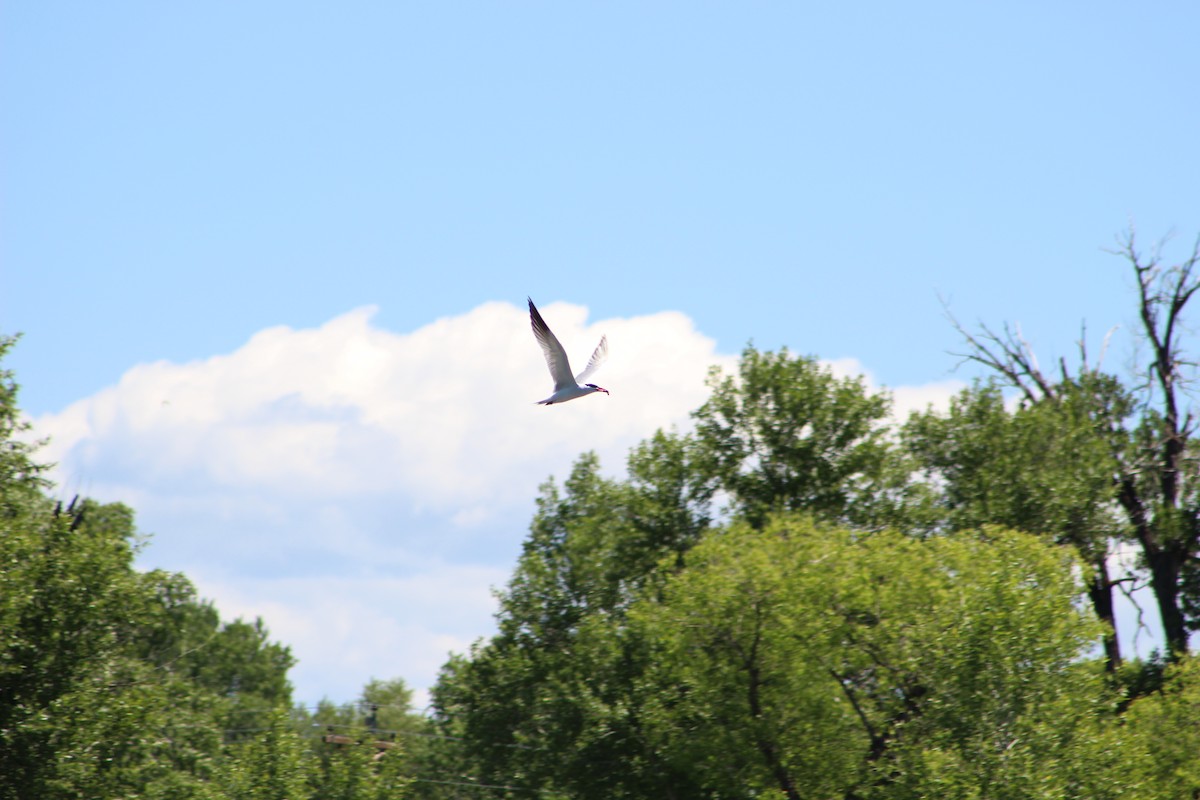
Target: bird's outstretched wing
<point>598,357</point>
<point>556,357</point>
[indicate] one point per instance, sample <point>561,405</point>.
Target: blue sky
<point>235,202</point>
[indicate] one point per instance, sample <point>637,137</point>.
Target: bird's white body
<point>566,386</point>
<point>569,393</point>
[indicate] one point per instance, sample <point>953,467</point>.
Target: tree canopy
<point>119,683</point>
<point>799,596</point>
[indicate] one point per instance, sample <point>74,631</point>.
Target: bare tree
<point>1010,356</point>
<point>1158,487</point>
<point>1156,481</point>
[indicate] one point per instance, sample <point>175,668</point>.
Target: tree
<point>113,682</point>
<point>1162,735</point>
<point>385,731</point>
<point>1159,489</point>
<point>550,701</point>
<point>786,434</point>
<point>22,479</point>
<point>66,593</point>
<point>271,766</point>
<point>1155,481</point>
<point>819,662</point>
<point>671,487</point>
<point>553,699</point>
<point>353,767</point>
<point>1043,467</point>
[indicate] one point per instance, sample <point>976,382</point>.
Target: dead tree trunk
<point>1159,507</point>
<point>1153,484</point>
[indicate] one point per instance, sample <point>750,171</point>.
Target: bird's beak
<point>604,390</point>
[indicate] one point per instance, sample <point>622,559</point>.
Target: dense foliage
<point>800,598</point>
<point>918,645</point>
<point>117,683</point>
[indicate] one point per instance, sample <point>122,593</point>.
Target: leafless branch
<point>1007,353</point>
<point>1141,613</point>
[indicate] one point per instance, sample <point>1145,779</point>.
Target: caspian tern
<point>565,387</point>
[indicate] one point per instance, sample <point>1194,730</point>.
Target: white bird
<point>565,387</point>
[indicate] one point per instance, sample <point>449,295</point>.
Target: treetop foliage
<point>798,597</point>
<point>117,683</point>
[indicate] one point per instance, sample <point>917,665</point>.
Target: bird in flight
<point>565,387</point>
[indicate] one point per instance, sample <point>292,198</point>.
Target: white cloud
<point>347,630</point>
<point>350,484</point>
<point>905,399</point>
<point>935,396</point>
<point>445,414</point>
<point>362,490</point>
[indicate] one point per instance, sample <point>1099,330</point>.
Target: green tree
<point>1044,467</point>
<point>113,682</point>
<point>79,716</point>
<point>270,766</point>
<point>22,479</point>
<point>670,490</point>
<point>786,434</point>
<point>816,661</point>
<point>550,701</point>
<point>354,767</point>
<point>234,666</point>
<point>381,722</point>
<point>1157,485</point>
<point>1162,735</point>
<point>553,701</point>
<point>66,593</point>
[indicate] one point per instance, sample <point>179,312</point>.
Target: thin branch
<point>1141,614</point>
<point>1007,354</point>
<point>877,741</point>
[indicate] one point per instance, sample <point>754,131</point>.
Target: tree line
<point>799,597</point>
<point>802,598</point>
<point>120,683</point>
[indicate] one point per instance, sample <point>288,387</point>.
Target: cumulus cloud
<point>364,490</point>
<point>444,415</point>
<point>905,399</point>
<point>347,630</point>
<point>931,396</point>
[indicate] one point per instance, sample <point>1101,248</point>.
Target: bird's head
<point>595,388</point>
